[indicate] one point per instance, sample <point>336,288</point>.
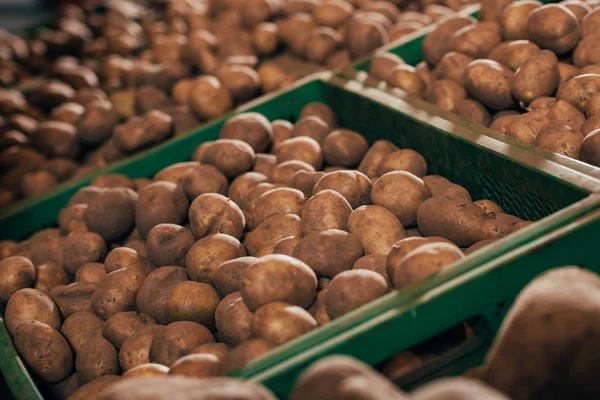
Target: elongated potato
<point>325,210</point>
<point>117,292</point>
<point>538,76</point>
<point>349,290</point>
<point>376,228</point>
<point>266,235</point>
<point>490,83</point>
<point>31,304</point>
<point>152,297</point>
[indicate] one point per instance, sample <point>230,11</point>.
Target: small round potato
<point>278,278</point>
<point>278,201</point>
<point>578,90</point>
<point>312,126</point>
<point>111,214</point>
<point>240,187</point>
<point>17,273</point>
<point>352,289</point>
<point>526,127</point>
<point>514,19</point>
<point>353,185</point>
<point>512,54</point>
<point>344,147</point>
<point>73,298</point>
<point>208,98</point>
<point>154,292</point>
<point>244,353</point>
<point>135,350</point>
<point>96,357</point>
<point>228,276</point>
<point>375,263</point>
<point>368,219</point>
<point>325,210</point>
<point>405,246</point>
<point>560,138</point>
<point>265,38</point>
<point>202,179</point>
<point>453,66</point>
<point>252,128</point>
<point>176,340</point>
<point>230,156</point>
<point>232,319</point>
<point>212,213</point>
<point>242,82</point>
<point>374,155</point>
<point>320,110</point>
<point>333,13</point>
<point>44,350</point>
<point>329,252</point>
<point>81,327</point>
<point>476,40</point>
<point>283,174</point>
<point>264,237</point>
<point>590,148</point>
<point>175,172</point>
<point>158,203</point>
<point>382,63</point>
<point>318,311</point>
<point>168,244</point>
<point>554,27</point>
<point>405,77</point>
<point>197,366</point>
<point>192,301</point>
<point>279,322</point>
<point>82,247</point>
<point>33,304</point>
<point>423,262</point>
<point>118,327</point>
<point>124,257</point>
<point>117,292</point>
<point>321,43</point>
<point>436,44</point>
<point>300,148</point>
<point>445,94</point>
<point>490,82</point>
<point>473,111</point>
<point>403,160</point>
<point>282,130</point>
<point>208,253</point>
<point>49,275</point>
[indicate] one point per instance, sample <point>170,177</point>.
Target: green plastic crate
<point>480,293</point>
<point>520,182</point>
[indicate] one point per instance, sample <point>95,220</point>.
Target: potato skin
<point>350,290</point>
<point>512,54</point>
<point>353,185</point>
<point>514,19</point>
<point>96,357</point>
<point>212,213</point>
<point>538,76</point>
<point>197,366</point>
<point>490,83</point>
<point>590,148</point>
<point>476,40</point>
<point>276,202</point>
<point>146,370</point>
<point>111,214</point>
<point>554,27</point>
<point>17,273</point>
<point>81,327</point>
<point>177,340</point>
<point>124,257</point>
<point>435,45</point>
<point>252,128</point>
<point>244,353</point>
<point>44,350</point>
<point>403,247</point>
<point>325,210</point>
<point>279,322</point>
<point>453,66</point>
<point>376,228</point>
<point>232,157</point>
<point>526,127</point>
<point>445,94</point>
<point>135,350</point>
<point>168,244</point>
<point>117,292</point>
<point>241,186</point>
<point>560,138</point>
<point>152,297</point>
<point>158,203</point>
<point>31,304</point>
<point>73,298</point>
<point>120,326</point>
<point>82,247</point>
<point>300,148</point>
<point>49,275</point>
<point>93,389</point>
<point>192,301</point>
<point>278,278</point>
<point>233,319</point>
<point>374,155</point>
<point>208,253</point>
<point>578,90</point>
<point>264,237</point>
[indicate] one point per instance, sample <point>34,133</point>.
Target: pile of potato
<point>270,231</point>
<point>527,70</point>
<point>546,349</point>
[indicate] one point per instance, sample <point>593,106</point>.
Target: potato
<point>73,298</point>
<point>111,214</point>
<point>579,90</point>
<point>241,185</point>
<point>67,112</point>
<point>586,53</point>
<point>514,19</point>
<point>81,327</point>
<point>559,110</point>
<point>590,125</point>
<point>118,327</point>
<point>374,155</point>
<point>208,253</point>
<point>436,44</point>
<point>590,24</point>
<point>312,126</point>
<point>538,76</point>
<point>278,201</point>
<point>286,246</point>
<point>382,63</point>
<point>117,292</point>
<point>365,35</point>
<point>209,98</point>
<point>452,66</point>
<point>318,311</point>
<point>280,322</point>
<point>375,263</point>
<point>177,340</point>
<point>422,262</point>
<point>479,245</point>
<point>17,273</point>
<point>123,257</point>
<point>278,278</point>
<point>7,248</point>
<point>112,181</point>
<point>158,203</point>
<point>491,10</point>
<point>65,388</point>
<point>566,72</point>
<point>353,185</point>
<point>350,290</point>
<point>272,77</point>
<point>56,139</point>
<point>590,148</point>
<point>92,272</point>
<point>242,82</point>
<point>501,122</point>
<point>344,147</point>
<point>93,389</point>
<point>49,275</point>
<point>230,156</point>
<point>460,221</point>
<point>283,174</point>
<point>490,83</point>
<point>401,193</point>
<point>31,304</point>
<point>300,148</point>
<point>265,38</point>
<point>445,94</point>
<point>264,237</point>
<point>212,213</point>
<point>476,40</point>
<point>192,301</point>
<point>560,138</point>
<point>561,330</point>
<point>526,127</point>
<point>252,128</point>
<point>197,366</point>
<point>333,13</point>
<point>282,130</point>
<point>96,357</point>
<point>203,179</point>
<point>592,108</point>
<point>457,388</point>
<point>139,132</point>
<point>473,110</point>
<point>146,370</point>
<point>44,350</point>
<point>168,244</point>
<point>553,27</point>
<point>228,276</point>
<point>320,110</point>
<point>37,183</point>
<point>325,210</point>
<point>135,350</point>
<point>219,350</point>
<point>368,219</point>
<point>321,43</point>
<point>232,319</point>
<point>175,172</point>
<point>489,206</point>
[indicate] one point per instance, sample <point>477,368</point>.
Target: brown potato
<point>124,257</point>
<point>240,187</point>
<point>278,278</point>
<point>117,292</point>
<point>73,298</point>
<point>7,248</point>
<point>111,213</point>
<point>219,350</point>
<point>202,179</point>
<point>403,160</point>
<point>48,276</point>
<point>479,245</point>
<point>212,213</point>
<point>586,52</point>
<point>158,203</point>
<point>436,44</point>
<point>139,132</point>
<point>44,350</point>
<point>375,263</point>
<point>279,322</point>
<point>382,64</point>
<point>81,327</point>
<point>278,201</point>
<point>489,206</point>
<point>501,122</point>
<point>242,82</point>
<point>566,72</point>
<point>283,174</point>
<point>118,327</point>
<point>317,310</point>
<point>312,126</point>
<point>344,147</point>
<point>135,350</point>
<point>538,76</point>
<point>445,94</point>
<point>320,110</point>
<point>333,12</point>
<point>168,244</point>
<point>232,319</point>
<point>177,340</point>
<point>374,155</point>
<point>96,357</point>
<point>228,276</point>
<point>560,138</point>
<point>476,40</point>
<point>192,301</point>
<point>300,148</point>
<point>490,83</point>
<point>286,246</point>
<point>424,261</point>
<point>453,66</point>
<point>590,23</point>
<point>325,210</point>
<point>526,127</point>
<point>368,219</point>
<point>112,181</point>
<point>56,139</point>
<point>209,98</point>
<point>265,38</point>
<point>244,353</point>
<point>154,292</point>
<point>197,366</point>
<point>175,172</point>
<point>473,111</point>
<point>18,273</point>
<point>321,43</point>
<point>590,125</point>
<point>272,77</point>
<point>353,185</point>
<point>491,10</point>
<point>37,183</point>
<point>579,90</point>
<point>252,128</point>
<point>592,108</point>
<point>31,304</point>
<point>208,253</point>
<point>558,110</point>
<point>365,35</point>
<point>282,130</point>
<point>329,252</point>
<point>93,389</point>
<point>264,237</point>
<point>146,370</point>
<point>230,156</point>
<point>350,290</point>
<point>561,35</point>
